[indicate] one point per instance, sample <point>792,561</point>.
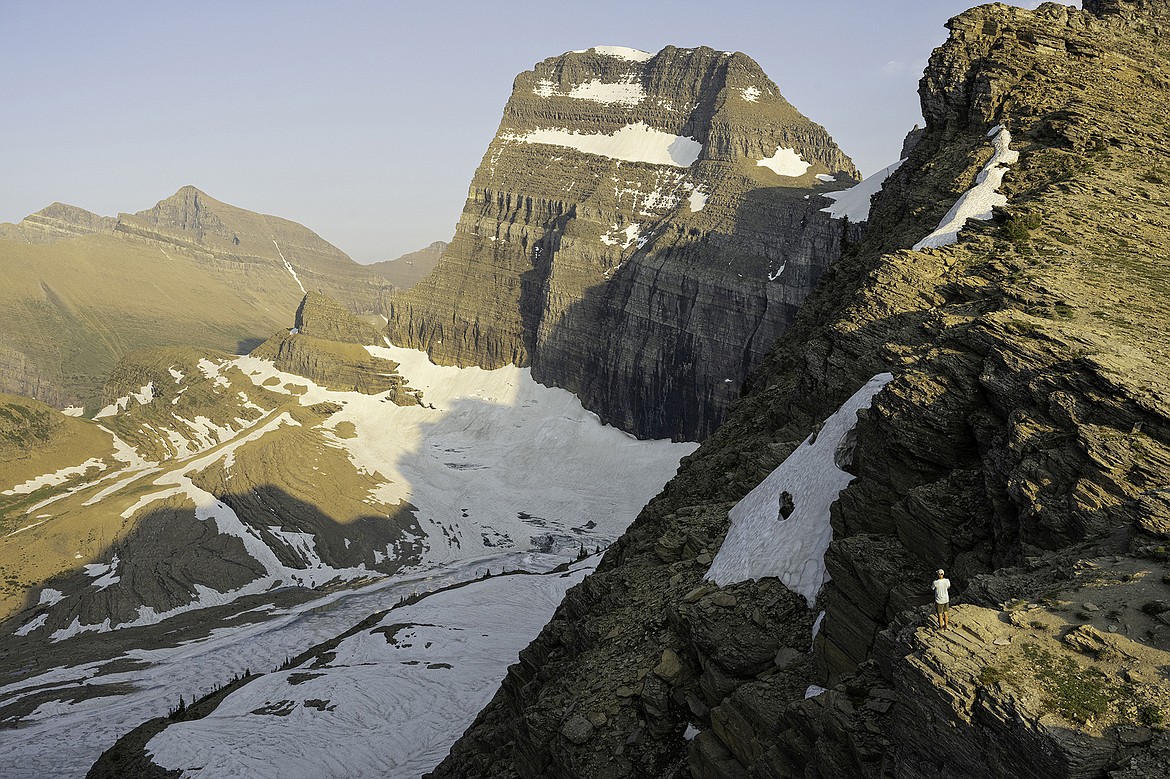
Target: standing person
<point>942,599</point>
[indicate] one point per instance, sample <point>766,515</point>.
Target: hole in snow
<point>786,505</point>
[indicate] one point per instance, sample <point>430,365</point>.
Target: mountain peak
<point>609,166</point>
<point>55,222</point>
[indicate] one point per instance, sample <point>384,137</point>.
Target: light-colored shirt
<point>941,588</point>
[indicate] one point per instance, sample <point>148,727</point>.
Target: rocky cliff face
<point>640,230</point>
<point>326,345</point>
<point>81,290</point>
<point>1023,444</point>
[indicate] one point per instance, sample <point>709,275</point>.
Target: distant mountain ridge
<point>82,290</point>
<point>411,268</point>
<point>639,231</point>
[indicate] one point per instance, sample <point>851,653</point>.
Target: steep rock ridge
<point>1023,444</point>
<point>81,291</point>
<point>639,231</point>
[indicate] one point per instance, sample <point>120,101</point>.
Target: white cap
<point>941,572</point>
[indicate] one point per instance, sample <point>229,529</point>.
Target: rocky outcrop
<point>323,317</point>
<point>1023,444</point>
<point>640,230</point>
<point>326,345</point>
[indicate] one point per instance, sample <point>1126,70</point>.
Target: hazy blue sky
<point>365,120</point>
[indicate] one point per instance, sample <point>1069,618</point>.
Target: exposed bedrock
<point>1023,445</point>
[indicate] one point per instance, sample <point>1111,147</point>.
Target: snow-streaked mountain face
<point>228,487</point>
<point>639,230</point>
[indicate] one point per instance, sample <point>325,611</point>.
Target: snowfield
<point>853,203</point>
<point>785,162</point>
<point>63,739</point>
<point>391,700</point>
<point>503,473</point>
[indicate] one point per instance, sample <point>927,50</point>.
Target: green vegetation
<point>989,675</point>
<point>1019,226</point>
<point>1151,716</point>
<point>1078,694</point>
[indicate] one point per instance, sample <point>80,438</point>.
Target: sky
<point>365,120</point>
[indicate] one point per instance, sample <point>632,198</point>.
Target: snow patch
<point>624,92</point>
<point>697,200</point>
<point>976,202</point>
<point>825,177</point>
<point>49,596</point>
<point>813,691</point>
<point>761,542</point>
<point>73,411</point>
<point>32,625</point>
<point>636,142</point>
<point>288,266</point>
<point>55,478</point>
<point>816,628</point>
<point>176,374</point>
<point>750,94</point>
<point>144,395</point>
<point>853,203</point>
<point>624,236</point>
<point>785,162</point>
<point>104,574</point>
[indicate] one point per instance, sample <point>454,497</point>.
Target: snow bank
<point>785,162</point>
<point>750,94</point>
<point>288,267</point>
<point>976,202</point>
<point>853,203</point>
<point>625,236</point>
<point>697,200</point>
<point>760,542</point>
<point>636,142</point>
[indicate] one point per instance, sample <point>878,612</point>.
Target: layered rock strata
<point>639,231</point>
<point>1023,444</point>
